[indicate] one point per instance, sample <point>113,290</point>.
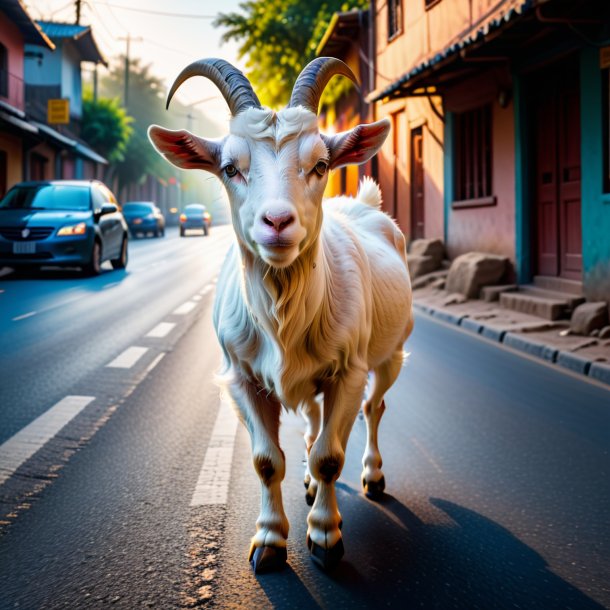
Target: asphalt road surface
<point>136,489</point>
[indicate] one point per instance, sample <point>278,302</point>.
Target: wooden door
<point>557,177</point>
<point>417,183</point>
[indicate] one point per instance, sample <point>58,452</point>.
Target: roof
<point>500,19</point>
<point>80,35</point>
<point>32,33</point>
<point>342,31</point>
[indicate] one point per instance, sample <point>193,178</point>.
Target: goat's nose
<point>278,220</point>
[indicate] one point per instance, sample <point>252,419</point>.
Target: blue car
<point>66,223</point>
<point>195,216</point>
<point>144,217</point>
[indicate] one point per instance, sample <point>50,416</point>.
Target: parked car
<point>144,217</point>
<point>195,216</point>
<point>67,223</point>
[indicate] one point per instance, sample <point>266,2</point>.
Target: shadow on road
<point>394,559</point>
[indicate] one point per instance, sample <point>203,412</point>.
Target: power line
<point>163,13</point>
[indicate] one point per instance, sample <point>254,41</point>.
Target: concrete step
<point>572,300</point>
<point>559,284</point>
<point>547,308</point>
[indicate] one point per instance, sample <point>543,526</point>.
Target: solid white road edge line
<point>161,330</point>
<point>184,308</point>
<point>128,358</point>
<point>154,363</point>
<point>213,483</point>
<point>23,445</point>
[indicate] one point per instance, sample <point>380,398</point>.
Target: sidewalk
<point>535,336</point>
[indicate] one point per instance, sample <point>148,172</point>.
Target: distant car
<point>195,216</point>
<point>66,223</point>
<point>144,217</point>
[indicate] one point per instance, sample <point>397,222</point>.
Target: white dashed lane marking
<point>23,445</point>
<point>207,289</point>
<point>184,308</point>
<point>128,358</point>
<point>25,315</point>
<point>213,483</point>
<point>161,330</point>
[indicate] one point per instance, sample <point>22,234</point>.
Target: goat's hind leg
<point>373,480</point>
<point>261,416</point>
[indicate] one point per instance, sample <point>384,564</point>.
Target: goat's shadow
<point>393,559</point>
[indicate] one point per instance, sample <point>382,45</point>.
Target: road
<point>496,465</point>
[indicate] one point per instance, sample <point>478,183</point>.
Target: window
<point>473,157</point>
<point>3,71</point>
<point>394,18</point>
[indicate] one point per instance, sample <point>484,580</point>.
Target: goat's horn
<point>313,79</point>
<point>234,86</point>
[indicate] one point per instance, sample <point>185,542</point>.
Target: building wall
<point>490,228</point>
<point>12,39</point>
<point>595,209</point>
<point>13,148</point>
<point>46,71</point>
<point>71,85</point>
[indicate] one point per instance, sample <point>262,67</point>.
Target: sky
<point>166,35</point>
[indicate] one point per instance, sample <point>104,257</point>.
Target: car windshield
<point>137,208</point>
<point>194,209</point>
<point>47,197</point>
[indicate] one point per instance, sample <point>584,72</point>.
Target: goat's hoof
<point>310,498</point>
<point>374,489</point>
<point>327,559</point>
<point>264,559</point>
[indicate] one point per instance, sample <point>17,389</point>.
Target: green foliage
<point>106,126</point>
<point>279,37</point>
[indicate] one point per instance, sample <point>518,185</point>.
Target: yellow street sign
<point>58,111</point>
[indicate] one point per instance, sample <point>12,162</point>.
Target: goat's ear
<point>357,145</point>
<point>185,150</point>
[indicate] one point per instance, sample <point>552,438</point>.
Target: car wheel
<point>181,232</point>
<point>206,231</point>
<point>155,233</point>
<point>162,232</point>
<point>94,266</point>
<point>121,262</point>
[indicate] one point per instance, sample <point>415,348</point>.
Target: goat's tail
<point>369,192</point>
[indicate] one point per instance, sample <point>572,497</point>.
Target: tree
<point>279,37</point>
<point>106,126</point>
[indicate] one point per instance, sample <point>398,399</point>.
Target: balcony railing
<point>12,89</point>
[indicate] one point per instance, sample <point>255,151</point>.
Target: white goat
<point>311,298</point>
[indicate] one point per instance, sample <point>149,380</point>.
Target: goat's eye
<point>230,170</point>
<point>321,167</point>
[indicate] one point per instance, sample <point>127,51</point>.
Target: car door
<point>110,226</point>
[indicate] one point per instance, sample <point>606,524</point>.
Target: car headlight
<point>79,229</point>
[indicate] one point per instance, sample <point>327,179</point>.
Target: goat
<point>311,298</point>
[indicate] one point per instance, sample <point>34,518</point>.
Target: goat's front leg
<point>311,412</point>
<point>261,415</point>
<point>341,403</point>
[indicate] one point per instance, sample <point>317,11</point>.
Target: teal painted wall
<point>595,204</point>
<point>523,203</point>
<point>448,182</point>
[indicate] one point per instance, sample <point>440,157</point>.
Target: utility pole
<point>127,40</point>
<point>78,3</point>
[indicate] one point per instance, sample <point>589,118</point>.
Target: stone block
<point>428,247</point>
<point>588,317</point>
<point>471,271</point>
<point>421,265</point>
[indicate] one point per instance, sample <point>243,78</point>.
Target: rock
<point>421,264</point>
<point>428,247</point>
<point>471,271</point>
<point>438,283</point>
<point>604,333</point>
<point>454,299</point>
<point>428,278</point>
<point>492,293</point>
<point>588,317</point>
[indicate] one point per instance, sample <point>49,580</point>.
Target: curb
<point>599,371</point>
